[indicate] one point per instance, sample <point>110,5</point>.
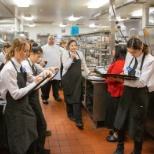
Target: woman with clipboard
<point>19,116</point>
<point>34,69</point>
<point>133,105</point>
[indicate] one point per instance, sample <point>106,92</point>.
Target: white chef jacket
<point>52,54</point>
<point>8,81</point>
<point>146,77</point>
<point>67,61</point>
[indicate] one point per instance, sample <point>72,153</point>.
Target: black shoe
<point>45,101</point>
<point>48,133</point>
<point>111,132</point>
<point>79,125</point>
<point>71,118</point>
<point>119,150</point>
<point>44,151</point>
<point>58,99</point>
<point>111,139</point>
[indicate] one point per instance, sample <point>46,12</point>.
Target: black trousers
<point>41,123</point>
<point>46,89</point>
<point>74,110</point>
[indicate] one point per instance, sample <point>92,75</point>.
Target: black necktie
<point>132,72</point>
<point>33,69</point>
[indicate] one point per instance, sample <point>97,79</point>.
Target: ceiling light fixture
<point>137,13</point>
<point>97,3</point>
<point>92,25</point>
<point>63,25</point>
<point>31,24</point>
<point>121,18</point>
<point>28,17</point>
<point>22,3</point>
<point>72,18</point>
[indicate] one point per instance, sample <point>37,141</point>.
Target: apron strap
<point>14,65</point>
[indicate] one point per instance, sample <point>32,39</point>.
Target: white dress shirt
<point>38,67</point>
<point>52,54</point>
<point>67,61</point>
<point>2,56</point>
<point>146,75</point>
<point>8,81</point>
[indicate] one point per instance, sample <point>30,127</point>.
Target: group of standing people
<point>25,122</point>
<point>127,105</point>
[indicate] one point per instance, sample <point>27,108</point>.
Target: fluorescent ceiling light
<point>22,3</point>
<point>28,17</point>
<point>72,18</point>
<point>63,25</point>
<point>121,19</point>
<point>97,3</point>
<point>151,9</point>
<point>92,25</point>
<point>137,13</point>
<point>31,24</point>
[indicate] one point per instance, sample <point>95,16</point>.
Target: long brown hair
<point>17,43</point>
<point>136,44</point>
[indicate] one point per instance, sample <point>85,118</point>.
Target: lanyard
<point>141,62</point>
<point>34,70</point>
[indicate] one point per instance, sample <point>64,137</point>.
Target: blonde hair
<point>17,43</point>
<point>62,42</point>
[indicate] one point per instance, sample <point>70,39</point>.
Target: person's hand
<point>92,74</point>
<point>43,62</point>
<point>73,56</point>
<point>38,79</point>
<point>46,73</point>
<point>52,69</point>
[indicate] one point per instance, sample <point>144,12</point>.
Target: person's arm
<point>9,78</point>
<point>83,64</point>
<point>66,60</point>
<point>147,71</point>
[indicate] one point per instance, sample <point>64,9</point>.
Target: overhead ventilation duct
<point>97,15</point>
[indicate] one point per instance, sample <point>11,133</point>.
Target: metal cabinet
<point>95,95</point>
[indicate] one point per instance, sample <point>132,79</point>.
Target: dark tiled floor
<point>68,139</point>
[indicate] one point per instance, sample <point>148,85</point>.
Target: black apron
<point>72,83</point>
<point>133,107</point>
<point>20,120</point>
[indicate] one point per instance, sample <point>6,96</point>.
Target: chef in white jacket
<point>51,53</point>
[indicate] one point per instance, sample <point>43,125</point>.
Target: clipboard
<point>122,76</point>
<point>37,85</point>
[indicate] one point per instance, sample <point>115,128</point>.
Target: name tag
<point>138,73</point>
<point>128,68</point>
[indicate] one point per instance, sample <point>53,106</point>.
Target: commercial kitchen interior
<point>112,20</point>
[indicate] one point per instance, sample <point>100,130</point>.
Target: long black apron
<point>20,120</point>
<point>72,83</point>
<point>35,104</point>
<point>133,107</point>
